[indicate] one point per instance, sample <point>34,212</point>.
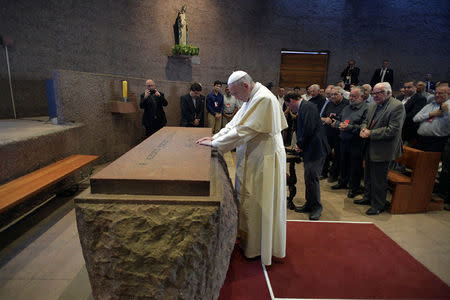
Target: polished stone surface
<point>167,163</point>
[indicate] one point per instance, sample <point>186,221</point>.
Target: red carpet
<point>245,279</point>
<point>335,260</point>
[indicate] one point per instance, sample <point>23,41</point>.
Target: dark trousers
<point>312,186</point>
<point>351,163</point>
<point>375,182</point>
<point>149,130</point>
<point>432,143</point>
<point>334,143</point>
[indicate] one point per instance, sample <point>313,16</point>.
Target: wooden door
<point>303,68</point>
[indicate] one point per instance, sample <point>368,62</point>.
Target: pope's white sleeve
<point>223,131</point>
<point>234,137</point>
<point>227,127</point>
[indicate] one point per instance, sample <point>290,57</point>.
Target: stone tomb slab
<point>167,163</point>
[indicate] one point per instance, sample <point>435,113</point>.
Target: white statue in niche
<point>180,27</point>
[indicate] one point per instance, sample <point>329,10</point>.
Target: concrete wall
<point>85,98</point>
<point>30,98</point>
<point>134,38</point>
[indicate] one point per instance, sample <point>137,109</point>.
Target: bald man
<point>152,101</point>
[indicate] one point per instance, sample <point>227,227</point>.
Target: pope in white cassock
<point>255,132</point>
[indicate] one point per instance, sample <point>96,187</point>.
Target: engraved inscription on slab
<point>167,163</point>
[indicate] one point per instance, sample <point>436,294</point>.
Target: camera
<point>333,117</point>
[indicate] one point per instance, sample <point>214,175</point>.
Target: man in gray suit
<point>382,134</point>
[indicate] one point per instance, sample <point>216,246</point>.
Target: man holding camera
<point>152,101</point>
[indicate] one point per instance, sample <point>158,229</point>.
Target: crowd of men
<point>368,125</point>
<point>359,123</point>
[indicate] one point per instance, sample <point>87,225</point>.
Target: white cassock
<point>255,132</point>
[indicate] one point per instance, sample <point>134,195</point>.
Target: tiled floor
<point>47,262</point>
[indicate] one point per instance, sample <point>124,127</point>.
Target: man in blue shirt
<point>214,106</point>
<point>434,122</point>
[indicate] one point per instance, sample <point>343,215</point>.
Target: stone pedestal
<point>159,246</point>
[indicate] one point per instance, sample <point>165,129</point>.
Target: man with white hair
<point>349,125</point>
<point>341,85</point>
<point>260,183</point>
<point>367,96</point>
<point>316,97</point>
<point>382,132</point>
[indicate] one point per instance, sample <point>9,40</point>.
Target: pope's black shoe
<point>302,209</point>
<point>362,202</point>
<point>373,211</point>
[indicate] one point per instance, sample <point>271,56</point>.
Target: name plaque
<point>167,163</point>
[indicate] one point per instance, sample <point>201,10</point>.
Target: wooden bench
<point>22,188</point>
<point>412,194</point>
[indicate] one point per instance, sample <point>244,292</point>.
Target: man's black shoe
<point>302,209</point>
<point>315,215</point>
<point>373,211</point>
<point>323,177</point>
<point>362,202</point>
<point>332,179</point>
<point>353,194</point>
<point>339,186</point>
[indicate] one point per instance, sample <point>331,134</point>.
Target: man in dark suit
<point>350,75</point>
<point>383,74</point>
<point>312,143</point>
<point>381,131</point>
<point>413,103</point>
<point>152,101</point>
<point>430,85</point>
<point>192,107</point>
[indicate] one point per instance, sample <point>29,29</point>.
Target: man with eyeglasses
<point>152,101</point>
<point>349,125</point>
<point>434,122</point>
<point>381,131</point>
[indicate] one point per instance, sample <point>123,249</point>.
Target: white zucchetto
<point>236,75</point>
